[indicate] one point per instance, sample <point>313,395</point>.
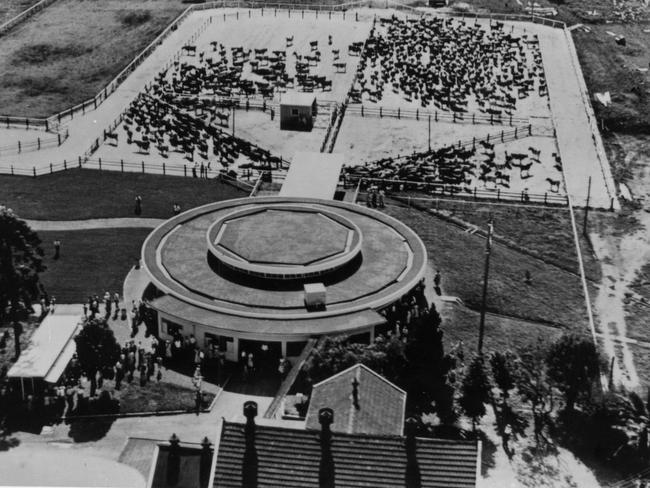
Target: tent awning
<point>61,362</point>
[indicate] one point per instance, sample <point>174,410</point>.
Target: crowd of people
<point>448,63</point>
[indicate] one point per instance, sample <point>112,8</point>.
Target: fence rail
<point>24,15</point>
<point>34,144</point>
<point>447,191</point>
<point>437,116</point>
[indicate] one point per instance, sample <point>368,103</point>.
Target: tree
<point>475,390</point>
<point>510,424</point>
<point>20,263</point>
<point>534,386</point>
<point>335,354</point>
<point>574,367</point>
<point>429,367</point>
<point>97,349</point>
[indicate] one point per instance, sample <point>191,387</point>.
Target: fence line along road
<point>24,15</point>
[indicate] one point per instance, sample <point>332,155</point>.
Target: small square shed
<point>298,111</point>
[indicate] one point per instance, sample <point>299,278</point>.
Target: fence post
<point>26,123</point>
<point>380,113</point>
<point>50,168</point>
<point>474,193</point>
<point>473,142</point>
<point>473,119</point>
<point>487,139</point>
<point>398,113</point>
<point>47,125</point>
<point>80,161</point>
<point>344,15</point>
<point>510,120</point>
<point>58,137</point>
<point>34,171</point>
<point>545,197</point>
<point>436,116</point>
<point>501,136</point>
<point>100,164</point>
<point>303,14</point>
<point>184,170</point>
<point>38,142</point>
<point>65,164</point>
<point>330,15</point>
<point>12,170</point>
<point>19,147</point>
<point>164,170</point>
<point>491,119</point>
<point>142,167</point>
<point>498,194</point>
<point>361,110</point>
<point>515,132</point>
<point>417,114</point>
<point>530,129</point>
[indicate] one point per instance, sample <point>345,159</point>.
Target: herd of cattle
<point>448,63</point>
<point>236,71</point>
<point>462,167</point>
<point>156,121</point>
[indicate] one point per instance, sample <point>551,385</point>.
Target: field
<point>88,194</point>
<point>10,8</point>
<point>92,261</point>
<point>543,232</point>
<point>554,298</point>
<point>621,70</point>
<point>48,63</point>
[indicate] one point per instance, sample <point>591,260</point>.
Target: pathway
<point>114,223</point>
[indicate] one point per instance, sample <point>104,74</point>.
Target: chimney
<point>173,460</point>
<point>250,462</point>
<point>205,463</point>
<point>355,393</point>
<point>326,468</point>
<point>412,478</point>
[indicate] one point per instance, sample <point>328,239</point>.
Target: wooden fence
<point>37,144</point>
<point>435,116</point>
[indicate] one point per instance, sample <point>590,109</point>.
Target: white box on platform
<point>315,295</point>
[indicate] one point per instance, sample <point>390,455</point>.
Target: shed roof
<point>379,410</point>
<point>298,99</point>
<point>49,349</point>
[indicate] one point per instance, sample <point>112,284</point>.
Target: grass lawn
<point>92,261</point>
<point>84,194</point>
<point>555,297</point>
<point>546,233</point>
<point>49,63</point>
<point>10,8</point>
<point>501,334</point>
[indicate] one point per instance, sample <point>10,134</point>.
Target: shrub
<point>135,18</point>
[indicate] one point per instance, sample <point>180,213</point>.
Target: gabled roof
<point>290,458</point>
<point>380,409</point>
<point>313,175</point>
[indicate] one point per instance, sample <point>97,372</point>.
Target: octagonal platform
<point>239,266</point>
<point>284,242</point>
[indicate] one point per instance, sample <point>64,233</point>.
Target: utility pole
<point>584,224</point>
<point>488,250</point>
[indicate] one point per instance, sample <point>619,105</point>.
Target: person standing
<point>138,205</point>
<point>437,279</point>
<point>57,249</point>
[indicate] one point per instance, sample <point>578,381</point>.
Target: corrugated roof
<point>380,408</point>
<point>291,458</point>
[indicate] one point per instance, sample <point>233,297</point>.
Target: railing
<point>24,15</point>
<point>25,123</point>
<point>450,191</point>
<point>436,116</point>
<point>37,144</point>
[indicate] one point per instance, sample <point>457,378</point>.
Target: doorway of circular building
<point>257,370</point>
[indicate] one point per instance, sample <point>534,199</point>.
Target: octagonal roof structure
<point>284,242</point>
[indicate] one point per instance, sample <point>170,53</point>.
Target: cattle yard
<point>483,125</point>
